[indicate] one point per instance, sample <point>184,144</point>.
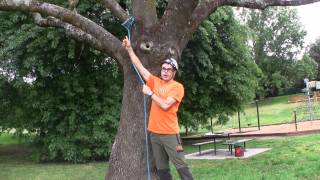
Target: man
<point>166,95</point>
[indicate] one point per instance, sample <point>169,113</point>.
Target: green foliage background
<point>217,70</point>
<point>314,53</point>
<point>276,38</point>
<point>65,94</point>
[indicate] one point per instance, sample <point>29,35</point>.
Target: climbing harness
<point>128,24</point>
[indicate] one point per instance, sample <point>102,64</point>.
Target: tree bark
<point>128,157</point>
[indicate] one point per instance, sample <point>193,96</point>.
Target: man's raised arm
<point>135,60</point>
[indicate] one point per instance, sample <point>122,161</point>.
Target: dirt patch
<point>294,99</point>
<point>15,150</point>
<point>302,98</point>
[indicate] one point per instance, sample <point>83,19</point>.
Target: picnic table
<point>213,139</point>
<point>233,143</point>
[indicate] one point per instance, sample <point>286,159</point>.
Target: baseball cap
<point>172,62</point>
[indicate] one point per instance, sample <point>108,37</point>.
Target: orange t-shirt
<point>161,121</point>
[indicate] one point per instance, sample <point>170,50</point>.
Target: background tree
<point>14,91</point>
<point>301,69</point>
<point>216,63</point>
<point>315,54</point>
<point>66,95</point>
<point>154,38</point>
<point>277,38</point>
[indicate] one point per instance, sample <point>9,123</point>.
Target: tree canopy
<point>277,38</point>
<point>217,64</point>
<point>65,94</point>
<point>315,54</point>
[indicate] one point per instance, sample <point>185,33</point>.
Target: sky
<point>310,19</point>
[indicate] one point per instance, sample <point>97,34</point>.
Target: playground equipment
<point>310,107</point>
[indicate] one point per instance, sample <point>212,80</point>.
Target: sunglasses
<point>166,69</point>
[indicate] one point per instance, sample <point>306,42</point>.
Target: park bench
<point>214,142</point>
<point>233,143</point>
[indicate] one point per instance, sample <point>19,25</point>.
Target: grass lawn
<point>6,138</point>
<point>16,163</point>
<point>276,110</point>
<point>290,158</point>
<point>271,111</point>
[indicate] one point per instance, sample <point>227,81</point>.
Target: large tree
<point>277,37</point>
<point>154,38</point>
<point>315,54</point>
<point>216,63</point>
<point>301,69</point>
<point>65,95</point>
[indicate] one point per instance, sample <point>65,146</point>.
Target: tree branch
<point>258,4</point>
<point>206,7</point>
<point>175,21</point>
<point>179,10</point>
<point>115,9</point>
<point>74,32</point>
<point>112,45</point>
<point>145,12</point>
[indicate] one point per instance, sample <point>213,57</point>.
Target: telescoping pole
<point>128,24</point>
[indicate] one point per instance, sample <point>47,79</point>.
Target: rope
<point>145,122</point>
<point>128,25</point>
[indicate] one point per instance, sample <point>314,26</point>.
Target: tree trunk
<point>152,45</point>
<point>129,154</point>
<point>187,130</point>
<point>128,158</point>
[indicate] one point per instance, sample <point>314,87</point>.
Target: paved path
<point>225,154</point>
<point>279,130</point>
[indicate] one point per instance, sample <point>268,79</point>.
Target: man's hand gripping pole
<point>128,24</point>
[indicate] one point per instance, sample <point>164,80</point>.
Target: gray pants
<point>165,147</point>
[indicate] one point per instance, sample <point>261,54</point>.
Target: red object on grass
<point>238,151</point>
